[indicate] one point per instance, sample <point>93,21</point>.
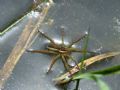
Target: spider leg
<point>76,41</point>
<point>62,36</point>
<point>47,37</point>
<point>73,61</point>
<point>82,51</point>
<point>52,49</point>
<point>42,51</point>
<point>64,62</point>
<point>54,59</point>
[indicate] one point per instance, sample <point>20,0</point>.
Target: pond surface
<point>75,16</point>
<point>11,10</point>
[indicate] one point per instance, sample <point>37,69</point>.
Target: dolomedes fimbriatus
<point>61,51</point>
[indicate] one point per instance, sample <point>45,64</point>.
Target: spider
<point>60,51</point>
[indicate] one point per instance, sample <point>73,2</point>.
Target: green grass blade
<point>83,58</point>
<point>102,85</point>
<point>97,74</point>
<point>107,71</point>
<point>85,48</point>
<point>111,70</point>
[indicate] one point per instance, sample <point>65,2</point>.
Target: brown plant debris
<point>20,47</point>
<point>68,76</point>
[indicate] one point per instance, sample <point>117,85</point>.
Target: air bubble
<point>72,63</point>
<point>86,32</point>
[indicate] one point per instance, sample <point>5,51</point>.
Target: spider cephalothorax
<point>61,51</point>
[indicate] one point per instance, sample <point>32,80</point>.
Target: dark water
<point>75,16</point>
<point>11,10</point>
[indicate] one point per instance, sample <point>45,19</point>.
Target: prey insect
<point>60,51</point>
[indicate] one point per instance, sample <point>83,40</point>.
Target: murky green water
<point>76,16</point>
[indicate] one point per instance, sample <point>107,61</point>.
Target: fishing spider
<point>61,51</point>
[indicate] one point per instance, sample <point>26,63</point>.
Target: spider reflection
<point>60,51</point>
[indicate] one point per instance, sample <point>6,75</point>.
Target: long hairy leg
<point>54,59</point>
<point>73,61</point>
<point>47,37</point>
<point>76,41</point>
<point>41,51</point>
<point>62,35</point>
<point>82,51</point>
<point>65,63</point>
